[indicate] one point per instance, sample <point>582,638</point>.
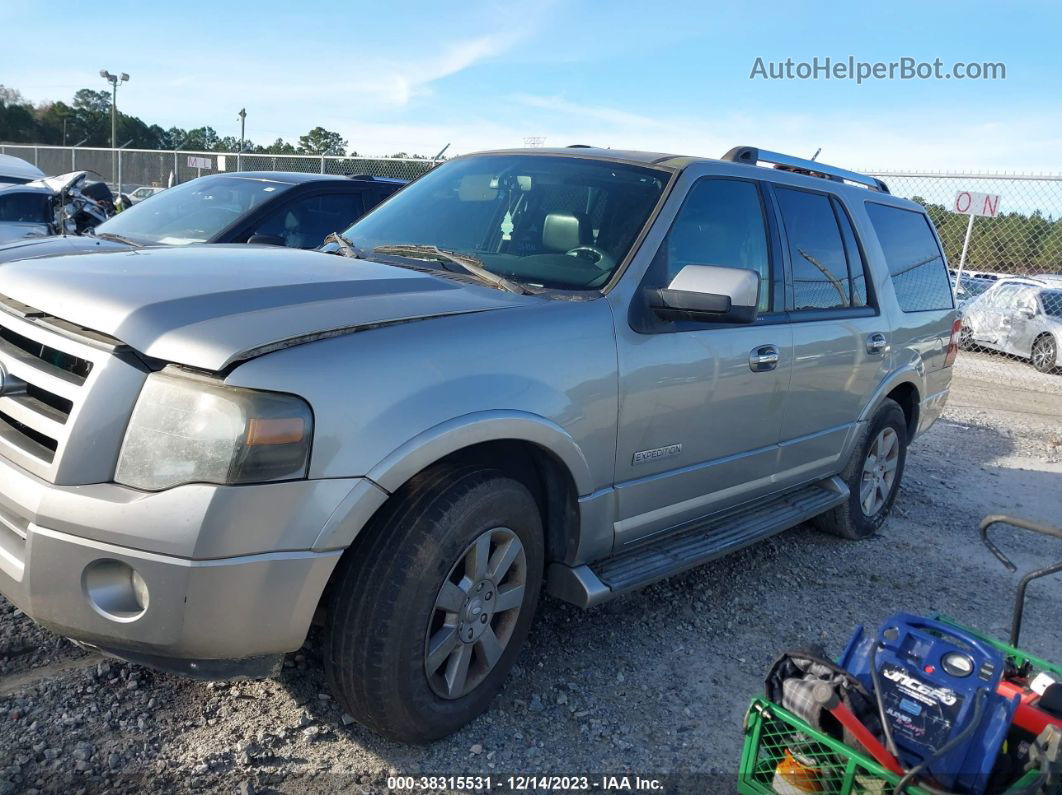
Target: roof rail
<point>750,155</point>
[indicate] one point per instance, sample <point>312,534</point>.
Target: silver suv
<point>580,370</point>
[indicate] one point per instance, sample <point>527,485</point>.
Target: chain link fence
<point>1010,291</point>
<point>133,168</point>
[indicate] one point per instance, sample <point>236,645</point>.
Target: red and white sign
<point>199,162</point>
<point>969,203</point>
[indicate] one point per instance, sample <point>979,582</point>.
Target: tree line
<point>1009,243</point>
<point>86,121</point>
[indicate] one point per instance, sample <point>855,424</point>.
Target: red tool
<point>1028,715</point>
<point>827,697</point>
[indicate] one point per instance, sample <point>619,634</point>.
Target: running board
<point>589,585</point>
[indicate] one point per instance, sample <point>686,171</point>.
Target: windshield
<point>193,212</point>
<point>560,222</point>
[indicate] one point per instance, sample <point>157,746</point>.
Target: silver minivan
<point>578,370</point>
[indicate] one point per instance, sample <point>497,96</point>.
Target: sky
<point>664,76</point>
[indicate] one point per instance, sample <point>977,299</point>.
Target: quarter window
<point>916,264</point>
<point>720,223</point>
<point>816,251</point>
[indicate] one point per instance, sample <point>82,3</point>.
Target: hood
<point>60,182</point>
<point>211,306</point>
<point>57,245</point>
<point>15,233</point>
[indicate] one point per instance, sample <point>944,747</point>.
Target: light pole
<point>239,155</point>
<point>114,80</point>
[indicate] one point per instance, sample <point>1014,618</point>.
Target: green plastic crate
<point>769,730</point>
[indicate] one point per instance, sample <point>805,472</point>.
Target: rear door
<point>698,424</point>
<point>840,339</point>
<point>985,318</point>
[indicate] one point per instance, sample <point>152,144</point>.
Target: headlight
<point>189,431</point>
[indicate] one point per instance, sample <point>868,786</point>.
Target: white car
<point>1019,316</point>
<point>138,195</point>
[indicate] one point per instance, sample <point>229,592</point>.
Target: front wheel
<point>429,612</point>
<point>1045,354</point>
<point>873,476</point>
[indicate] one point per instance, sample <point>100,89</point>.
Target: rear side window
<point>1052,301</point>
<point>916,264</point>
<point>816,251</point>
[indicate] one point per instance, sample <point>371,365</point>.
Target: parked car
<point>138,195</point>
<point>1022,317</point>
<point>16,171</point>
<point>578,370</point>
<point>279,208</point>
<point>45,206</point>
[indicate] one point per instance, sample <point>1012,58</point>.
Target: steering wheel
<point>594,255</point>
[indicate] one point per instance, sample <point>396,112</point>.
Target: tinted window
<point>193,212</point>
<point>1052,301</point>
<point>856,267</point>
<point>820,268</point>
<point>305,222</point>
<point>29,208</point>
<point>564,222</point>
<point>919,273</point>
<point>720,223</point>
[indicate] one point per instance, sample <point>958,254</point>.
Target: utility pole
<point>239,155</point>
<point>114,80</point>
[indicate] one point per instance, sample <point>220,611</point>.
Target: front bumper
<point>176,606</point>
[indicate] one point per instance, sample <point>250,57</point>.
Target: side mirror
<point>266,240</point>
<point>710,294</point>
<point>1027,312</point>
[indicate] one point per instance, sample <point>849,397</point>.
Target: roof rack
<point>750,155</point>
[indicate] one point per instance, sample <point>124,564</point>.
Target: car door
<point>698,420</point>
<point>985,317</point>
<point>304,221</point>
<point>1021,321</point>
<point>840,339</point>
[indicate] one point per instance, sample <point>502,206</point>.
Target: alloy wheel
<point>1043,354</point>
<point>879,472</point>
<point>475,613</point>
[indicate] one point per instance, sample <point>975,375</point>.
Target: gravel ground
<point>654,683</point>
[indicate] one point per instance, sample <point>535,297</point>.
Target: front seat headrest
<point>565,231</point>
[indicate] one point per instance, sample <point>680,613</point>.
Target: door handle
<point>876,343</point>
<point>763,358</point>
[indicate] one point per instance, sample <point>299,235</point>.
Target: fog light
<point>115,590</point>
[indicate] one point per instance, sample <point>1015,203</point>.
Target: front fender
<point>448,437</point>
<point>434,444</point>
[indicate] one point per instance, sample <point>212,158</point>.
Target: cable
<point>876,680</point>
<point>975,721</point>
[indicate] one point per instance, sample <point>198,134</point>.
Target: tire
<point>385,612</point>
<point>1045,353</point>
<point>851,519</point>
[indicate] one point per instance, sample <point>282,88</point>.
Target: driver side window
<point>720,223</point>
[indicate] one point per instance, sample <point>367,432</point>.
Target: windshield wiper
<point>118,238</point>
<point>469,263</point>
<point>347,248</point>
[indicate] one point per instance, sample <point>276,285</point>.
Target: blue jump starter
<point>931,677</point>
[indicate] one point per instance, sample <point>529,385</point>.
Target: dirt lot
<point>655,683</point>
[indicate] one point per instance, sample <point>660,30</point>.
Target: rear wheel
<point>873,476</point>
<point>430,611</point>
<point>1045,354</point>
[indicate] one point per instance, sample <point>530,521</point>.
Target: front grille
<point>53,376</point>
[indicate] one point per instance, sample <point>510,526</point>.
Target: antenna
<point>816,155</point>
